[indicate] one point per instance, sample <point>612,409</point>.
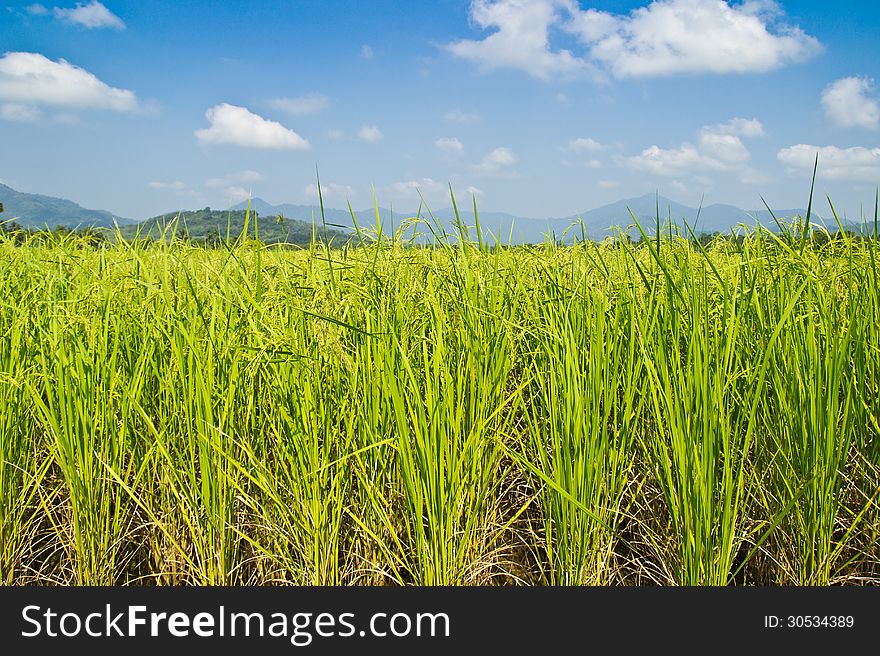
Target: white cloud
<point>65,118</point>
<point>366,52</point>
<point>36,9</point>
<point>584,145</point>
<point>848,103</point>
<point>856,164</point>
<point>31,78</point>
<point>520,38</point>
<point>608,184</point>
<point>331,191</point>
<point>235,187</point>
<point>693,36</point>
<point>562,99</point>
<point>335,135</point>
<point>176,185</point>
<point>422,188</point>
<point>239,177</point>
<point>744,127</point>
<point>679,187</point>
<point>749,176</point>
<point>239,127</point>
<point>91,16</point>
<point>235,194</point>
<point>474,191</point>
<point>719,148</point>
<point>179,189</point>
<point>668,162</point>
<point>449,145</point>
<point>462,118</point>
<point>496,162</point>
<point>310,103</point>
<point>727,149</point>
<point>666,37</point>
<point>18,112</point>
<point>593,164</point>
<point>369,133</point>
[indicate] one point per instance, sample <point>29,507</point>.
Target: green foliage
<point>216,227</point>
<point>671,411</point>
<point>38,211</point>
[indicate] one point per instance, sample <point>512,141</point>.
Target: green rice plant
<point>703,406</point>
<point>298,475</point>
<point>581,419</point>
<point>445,387</point>
<point>812,429</point>
<point>698,450</point>
<point>84,397</point>
<point>388,411</point>
<point>190,424</point>
<point>23,466</point>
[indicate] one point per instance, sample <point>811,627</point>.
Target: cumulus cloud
<point>719,148</point>
<point>180,189</point>
<point>18,113</point>
<point>237,126</point>
<point>428,187</point>
<point>234,187</point>
<point>462,118</point>
<point>176,185</point>
<point>416,190</point>
<point>235,194</point>
<point>310,103</point>
<point>28,78</point>
<point>519,40</point>
<point>369,133</point>
<point>497,162</point>
<point>239,177</point>
<point>849,103</point>
<point>679,187</point>
<point>667,37</point>
<point>668,161</point>
<point>36,9</point>
<point>91,16</point>
<point>744,127</point>
<point>855,164</point>
<point>329,190</point>
<point>693,36</point>
<point>584,145</point>
<point>449,145</point>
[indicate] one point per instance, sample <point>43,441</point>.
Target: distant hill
<point>601,222</point>
<point>38,211</point>
<point>334,218</point>
<point>216,224</point>
<point>598,223</point>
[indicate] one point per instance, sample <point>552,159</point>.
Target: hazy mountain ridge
<point>39,211</point>
<point>218,224</point>
<point>597,223</point>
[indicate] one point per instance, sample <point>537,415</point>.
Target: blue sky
<point>539,107</point>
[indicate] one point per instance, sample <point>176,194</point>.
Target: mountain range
<point>39,211</point>
<point>214,225</point>
<point>597,223</point>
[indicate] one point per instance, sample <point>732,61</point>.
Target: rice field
<point>382,413</point>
